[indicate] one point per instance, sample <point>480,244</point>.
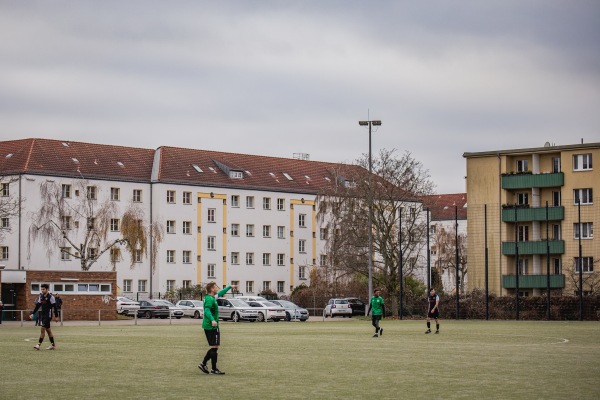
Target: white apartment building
<point>229,218</point>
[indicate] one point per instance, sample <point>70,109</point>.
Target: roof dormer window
<point>236,174</point>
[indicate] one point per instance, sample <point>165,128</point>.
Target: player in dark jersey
<point>433,311</point>
<point>47,303</point>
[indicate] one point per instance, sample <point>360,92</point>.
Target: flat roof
<point>545,149</point>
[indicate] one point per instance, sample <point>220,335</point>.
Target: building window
<point>91,193</point>
<point>302,246</point>
<point>170,256</point>
<point>250,230</point>
<point>127,283</point>
<point>555,199</point>
<point>187,227</point>
<point>249,258</point>
<point>249,201</point>
<point>280,286</point>
<point>211,215</point>
<point>65,253</point>
<point>522,198</point>
<point>170,285</point>
<point>280,204</point>
<point>235,229</point>
<point>187,197</point>
<point>280,259</point>
<point>142,285</point>
<point>523,233</point>
<point>583,195</point>
<point>187,256</point>
<point>302,220</point>
<point>115,255</point>
<point>235,200</point>
<point>556,266</point>
<point>323,234</point>
<point>170,196</point>
<point>235,258</point>
<point>266,286</point>
<point>556,232</point>
<point>522,166</point>
<point>137,196</point>
<point>587,263</point>
<point>138,255</point>
<point>65,222</point>
<point>171,227</point>
<point>4,189</point>
<point>266,258</point>
<point>281,232</point>
<point>92,253</point>
<point>523,266</point>
<point>115,193</point>
<point>582,162</point>
<point>267,231</point>
<point>266,203</point>
<point>302,272</point>
<point>66,191</point>
<point>187,284</point>
<point>210,270</point>
<point>4,250</point>
<point>115,224</point>
<point>249,286</point>
<point>555,165</point>
<point>323,259</point>
<point>5,223</point>
<point>586,229</point>
<point>210,242</point>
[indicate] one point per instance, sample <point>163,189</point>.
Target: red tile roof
<point>442,206</point>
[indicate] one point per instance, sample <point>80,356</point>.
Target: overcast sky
<point>281,77</point>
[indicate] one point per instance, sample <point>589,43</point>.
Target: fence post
<point>21,318</point>
<point>135,317</point>
<point>99,317</point>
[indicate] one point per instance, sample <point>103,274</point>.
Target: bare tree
<point>445,245</point>
<point>10,204</point>
<point>396,184</point>
<point>590,276</point>
<point>80,226</point>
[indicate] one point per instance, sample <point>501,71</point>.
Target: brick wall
<point>75,306</point>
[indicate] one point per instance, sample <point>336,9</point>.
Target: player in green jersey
<point>378,308</point>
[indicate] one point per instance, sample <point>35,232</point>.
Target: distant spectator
<point>59,303</point>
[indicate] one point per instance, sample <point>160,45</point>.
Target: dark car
<point>358,306</point>
<point>152,309</point>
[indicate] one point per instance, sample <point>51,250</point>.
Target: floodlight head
<point>376,123</point>
<point>363,123</point>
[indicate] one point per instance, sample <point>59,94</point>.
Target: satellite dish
<point>547,144</point>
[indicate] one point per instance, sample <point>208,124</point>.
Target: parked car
<point>236,310</point>
<point>292,311</point>
<point>250,298</point>
<point>337,307</point>
<point>176,311</point>
<point>268,311</point>
<point>153,309</point>
<point>192,308</point>
<point>358,306</point>
<point>126,306</point>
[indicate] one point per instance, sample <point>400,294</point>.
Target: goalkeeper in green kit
<point>378,308</point>
<point>210,324</point>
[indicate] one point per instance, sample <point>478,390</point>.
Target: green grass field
<point>313,360</point>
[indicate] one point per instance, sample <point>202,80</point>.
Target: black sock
<point>208,356</point>
<point>214,359</point>
<point>437,327</point>
<point>428,325</point>
<point>52,340</point>
<point>40,341</point>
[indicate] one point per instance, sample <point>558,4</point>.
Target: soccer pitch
<point>313,360</point>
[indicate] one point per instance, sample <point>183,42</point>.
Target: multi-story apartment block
<point>534,208</point>
<point>229,218</point>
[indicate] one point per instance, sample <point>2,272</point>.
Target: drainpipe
<point>151,237</point>
<point>500,221</point>
<point>19,253</point>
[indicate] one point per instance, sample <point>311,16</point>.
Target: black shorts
<point>376,318</point>
<point>213,336</point>
<point>46,322</point>
<point>435,314</point>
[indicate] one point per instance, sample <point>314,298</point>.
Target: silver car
<point>292,311</point>
<point>236,310</point>
<point>176,312</point>
<point>192,308</point>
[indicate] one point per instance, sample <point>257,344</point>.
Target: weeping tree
<point>10,204</point>
<point>85,228</point>
<point>445,245</point>
<point>343,209</point>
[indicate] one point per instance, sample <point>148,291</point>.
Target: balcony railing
<point>533,214</point>
<point>533,281</point>
<point>523,181</point>
<point>531,248</point>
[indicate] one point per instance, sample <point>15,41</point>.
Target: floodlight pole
<point>370,225</point>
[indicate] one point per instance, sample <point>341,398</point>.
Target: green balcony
<point>524,181</point>
<point>532,214</point>
<point>531,248</point>
<point>533,281</point>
